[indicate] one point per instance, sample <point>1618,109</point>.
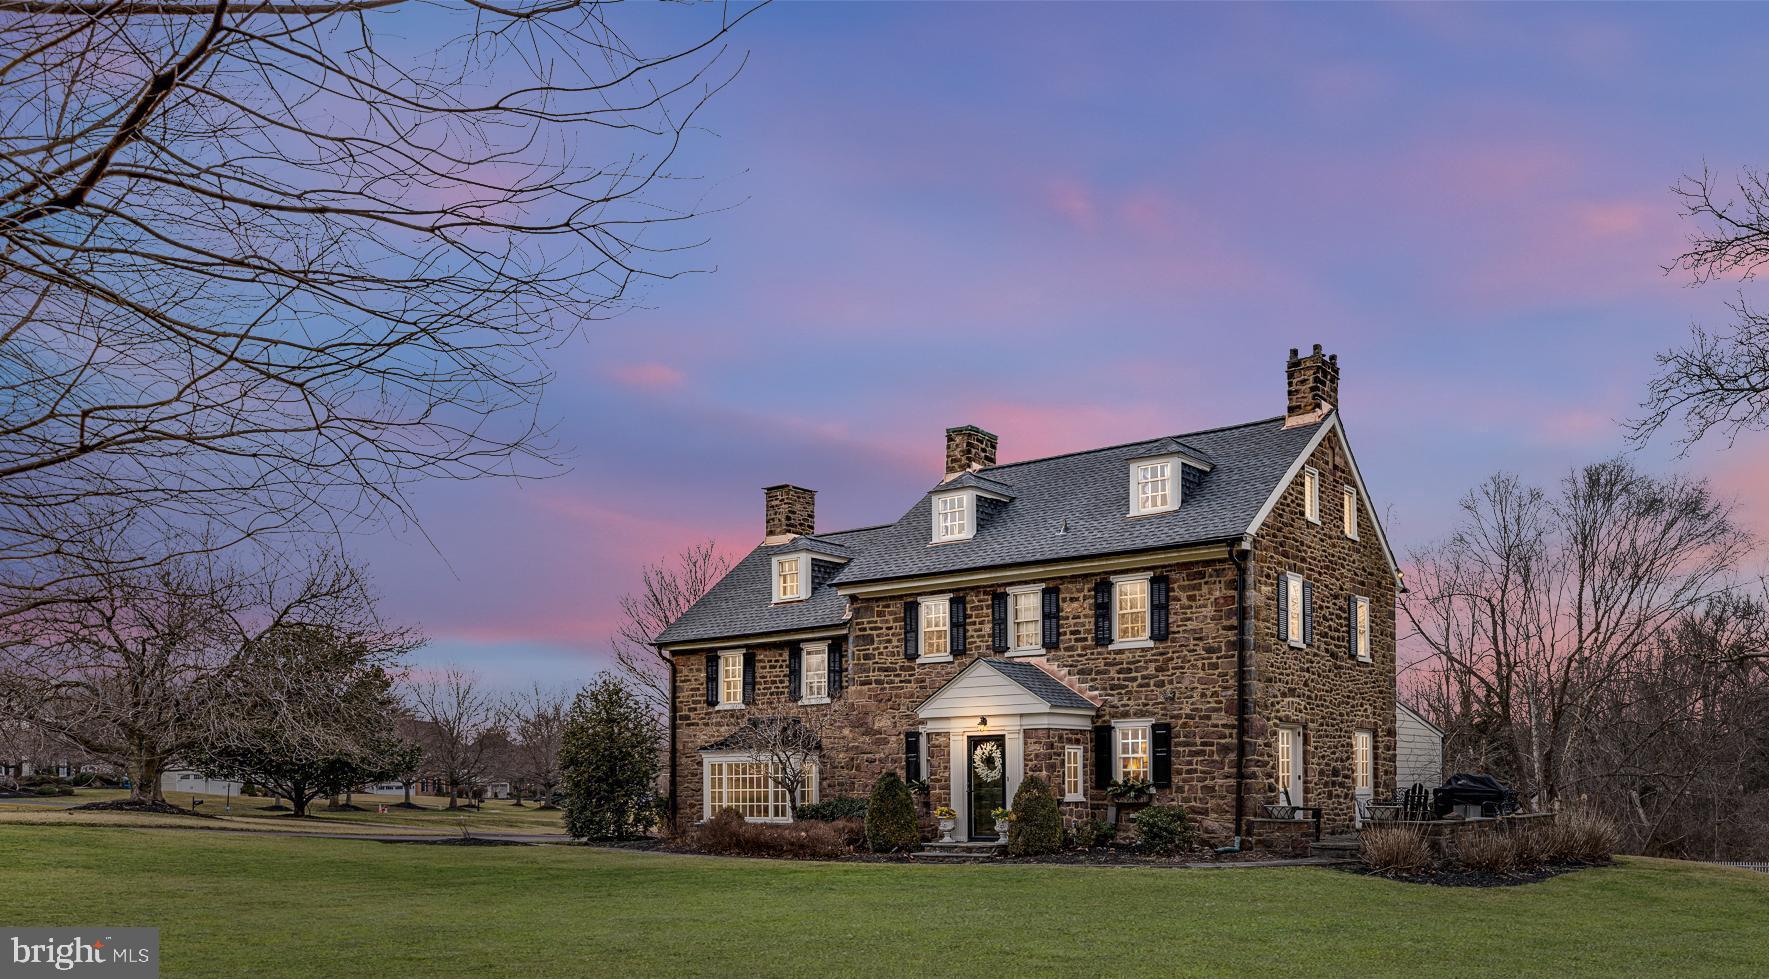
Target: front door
<point>987,769</point>
<point>1363,782</point>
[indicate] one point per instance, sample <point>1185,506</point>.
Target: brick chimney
<point>1314,386</point>
<point>969,447</point>
<point>791,511</point>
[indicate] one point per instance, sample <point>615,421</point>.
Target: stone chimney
<point>967,448</point>
<point>1314,387</point>
<point>791,511</point>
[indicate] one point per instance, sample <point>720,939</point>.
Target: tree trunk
<point>144,778</point>
<point>408,793</point>
<point>453,796</point>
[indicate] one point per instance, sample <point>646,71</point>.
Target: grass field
<point>234,905</point>
<point>247,813</point>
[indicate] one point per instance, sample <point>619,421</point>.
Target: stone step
<point>962,850</point>
<point>1335,845</point>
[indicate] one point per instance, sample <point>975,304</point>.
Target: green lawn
<point>497,816</point>
<point>282,906</point>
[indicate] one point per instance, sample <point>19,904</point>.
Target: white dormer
<point>1154,485</point>
<point>955,515</point>
<point>792,577</point>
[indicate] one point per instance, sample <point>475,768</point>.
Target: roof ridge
<point>1125,445</point>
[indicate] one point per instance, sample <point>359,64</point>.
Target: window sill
<point>1295,643</point>
<point>813,701</point>
<point>786,601</point>
<point>1313,520</point>
<point>942,658</point>
<point>1030,651</point>
<point>730,707</point>
<point>1074,798</point>
<point>1133,644</point>
<point>1365,660</point>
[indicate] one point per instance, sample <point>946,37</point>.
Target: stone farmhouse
<point>1212,613</point>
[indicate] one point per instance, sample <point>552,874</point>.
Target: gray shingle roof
<point>1064,507</point>
<point>739,605</point>
<point>1075,505</point>
<point>1039,683</point>
<point>977,481</point>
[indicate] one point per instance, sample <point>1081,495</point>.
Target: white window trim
<point>1037,648</point>
<point>726,655</point>
<point>1350,496</point>
<point>1368,737</point>
<point>804,652</point>
<point>922,604</point>
<point>1311,494</point>
<point>1293,602</point>
<point>708,759</point>
<point>1363,647</point>
<point>1148,725</point>
<point>1079,754</point>
<point>970,515</point>
<point>1146,642</point>
<point>1299,765</point>
<point>804,564</point>
<point>1174,482</point>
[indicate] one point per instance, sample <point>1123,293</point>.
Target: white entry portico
<point>997,697</point>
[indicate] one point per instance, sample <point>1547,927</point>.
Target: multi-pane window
<point>1350,512</point>
<point>730,678</point>
<point>750,787</point>
<point>1287,765</point>
<point>1293,585</point>
<point>952,517</point>
<point>1025,618</point>
<point>1131,603</point>
<point>1133,752</point>
<point>788,579</point>
<point>1153,486</point>
<point>814,672</point>
<point>1361,762</point>
<point>1311,495</point>
<point>935,631</point>
<point>1361,627</point>
<point>1072,772</point>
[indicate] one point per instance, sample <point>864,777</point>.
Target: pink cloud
<point>648,376</point>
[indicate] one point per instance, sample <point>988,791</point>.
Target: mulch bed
<point>129,805</point>
<point>1465,877</point>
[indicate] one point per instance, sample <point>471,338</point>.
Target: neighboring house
<point>1418,749</point>
<point>186,780</point>
<point>1084,618</point>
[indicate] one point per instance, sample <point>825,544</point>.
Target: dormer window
<point>789,577</point>
<point>954,516</point>
<point>1154,485</point>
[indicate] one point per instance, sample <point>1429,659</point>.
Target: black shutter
<point>1102,613</point>
<point>912,755</point>
<point>1158,607</point>
<point>1102,755</point>
<point>1283,608</point>
<point>1307,612</point>
<point>837,660</point>
<point>911,628</point>
<point>1053,617</point>
<point>1351,626</point>
<point>1161,755</point>
<point>795,659</point>
<point>998,622</point>
<point>955,619</point>
<point>712,679</point>
<point>749,677</point>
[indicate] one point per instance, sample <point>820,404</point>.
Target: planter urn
<point>946,828</point>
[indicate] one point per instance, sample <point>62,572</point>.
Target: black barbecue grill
<point>1462,789</point>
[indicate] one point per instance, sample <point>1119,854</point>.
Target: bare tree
<point>789,740</point>
<point>148,666</point>
<point>537,721</point>
<point>666,590</point>
<point>264,264</point>
<point>1534,609</point>
<point>1719,382</point>
<point>461,721</point>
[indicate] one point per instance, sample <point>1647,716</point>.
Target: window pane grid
<point>1286,752</point>
<point>1311,487</point>
<point>1071,771</point>
<point>1350,512</point>
<point>933,628</point>
<point>789,578</point>
<point>1153,486</point>
<point>1294,584</point>
<point>1133,610</point>
<point>1363,628</point>
<point>1026,621</point>
<point>731,679</point>
<point>954,516</point>
<point>1361,759</point>
<point>749,788</point>
<point>814,674</point>
<point>1133,753</point>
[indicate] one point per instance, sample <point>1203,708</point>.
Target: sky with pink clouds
<point>1082,225</point>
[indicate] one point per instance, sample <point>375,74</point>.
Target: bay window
<point>752,787</point>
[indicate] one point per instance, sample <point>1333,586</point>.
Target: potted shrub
<point>948,822</point>
<point>1002,817</point>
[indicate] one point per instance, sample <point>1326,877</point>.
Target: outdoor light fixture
<point>982,722</point>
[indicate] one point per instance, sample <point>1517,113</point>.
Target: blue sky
<point>1080,225</point>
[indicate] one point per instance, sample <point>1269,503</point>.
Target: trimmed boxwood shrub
<point>1165,829</point>
<point>830,810</point>
<point>890,816</point>
<point>1037,825</point>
